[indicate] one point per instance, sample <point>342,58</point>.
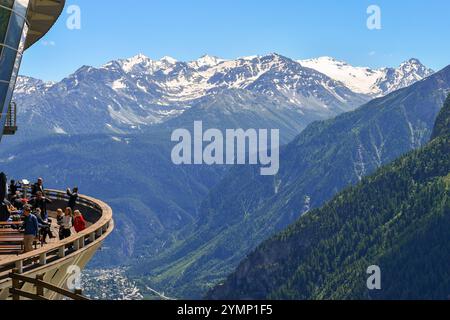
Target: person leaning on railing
<point>66,224</point>
<point>79,224</point>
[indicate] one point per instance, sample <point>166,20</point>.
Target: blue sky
<point>188,29</point>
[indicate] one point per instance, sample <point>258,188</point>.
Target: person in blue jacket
<point>31,229</point>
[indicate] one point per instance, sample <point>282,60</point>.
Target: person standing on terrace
<point>41,202</point>
<point>79,223</point>
<point>31,229</point>
<point>73,197</point>
<point>66,224</point>
<point>38,187</point>
<point>13,188</point>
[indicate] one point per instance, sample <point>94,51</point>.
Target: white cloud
<point>47,43</point>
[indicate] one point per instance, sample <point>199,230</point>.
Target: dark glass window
<point>15,70</point>
<point>7,3</point>
<point>12,83</point>
<point>4,20</point>
<point>7,61</point>
<point>3,92</point>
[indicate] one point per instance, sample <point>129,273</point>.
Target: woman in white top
<point>66,224</point>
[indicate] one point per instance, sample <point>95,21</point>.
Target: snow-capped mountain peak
<point>168,60</point>
<point>206,61</point>
<point>128,65</point>
<point>28,85</point>
<point>372,82</point>
<point>358,79</point>
<point>406,74</point>
<point>414,66</point>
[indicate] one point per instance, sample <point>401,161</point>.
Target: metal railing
<point>95,211</point>
<point>11,120</point>
<point>19,280</point>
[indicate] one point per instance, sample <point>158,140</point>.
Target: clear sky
<point>188,29</point>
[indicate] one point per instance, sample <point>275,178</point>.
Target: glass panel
<point>15,73</point>
<point>21,7</point>
<point>12,84</point>
<point>16,24</point>
<point>4,19</point>
<point>7,60</point>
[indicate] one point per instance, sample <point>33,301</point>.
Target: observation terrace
<point>54,261</point>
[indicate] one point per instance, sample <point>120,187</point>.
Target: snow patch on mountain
<point>59,130</point>
<point>373,82</point>
<point>205,61</point>
<point>118,84</point>
<point>358,79</point>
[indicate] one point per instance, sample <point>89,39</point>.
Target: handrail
<point>11,115</point>
<point>60,249</point>
<point>16,293</point>
<point>40,286</point>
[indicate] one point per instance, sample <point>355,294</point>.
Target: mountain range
<point>130,95</point>
<point>177,227</point>
<point>244,209</point>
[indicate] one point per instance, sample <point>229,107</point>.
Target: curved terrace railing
<point>94,211</point>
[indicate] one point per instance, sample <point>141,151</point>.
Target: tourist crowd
<point>30,211</point>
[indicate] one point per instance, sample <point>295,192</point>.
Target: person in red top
<point>79,223</point>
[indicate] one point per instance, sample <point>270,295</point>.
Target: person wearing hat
<point>30,227</point>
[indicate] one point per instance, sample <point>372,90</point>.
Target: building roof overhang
<point>42,15</point>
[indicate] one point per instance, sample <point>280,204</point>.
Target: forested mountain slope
<point>397,219</point>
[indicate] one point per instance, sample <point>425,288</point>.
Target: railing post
<point>43,259</point>
<point>76,245</point>
<point>15,285</point>
<point>19,266</point>
<point>81,241</point>
<point>40,288</point>
<point>62,252</point>
<point>92,237</point>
